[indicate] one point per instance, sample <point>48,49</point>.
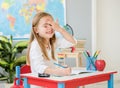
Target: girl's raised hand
<point>56,26</point>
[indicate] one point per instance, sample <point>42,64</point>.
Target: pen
<point>97,54</point>
<point>94,54</point>
<point>85,54</point>
<point>88,53</point>
<point>60,65</point>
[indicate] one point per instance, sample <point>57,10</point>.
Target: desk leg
<point>61,85</point>
<point>26,85</point>
<point>110,82</point>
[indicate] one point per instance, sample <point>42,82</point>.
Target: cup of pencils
<point>90,60</point>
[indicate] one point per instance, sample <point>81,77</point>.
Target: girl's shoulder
<point>62,43</point>
<point>34,41</point>
<point>35,44</point>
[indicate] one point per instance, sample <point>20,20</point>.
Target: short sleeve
<point>36,59</point>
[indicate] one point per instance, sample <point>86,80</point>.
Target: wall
<point>108,33</point>
<point>78,15</point>
<point>107,28</point>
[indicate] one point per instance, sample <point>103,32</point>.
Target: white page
<point>80,71</point>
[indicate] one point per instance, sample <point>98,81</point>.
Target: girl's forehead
<point>46,19</point>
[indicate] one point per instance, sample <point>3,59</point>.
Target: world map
<point>16,15</point>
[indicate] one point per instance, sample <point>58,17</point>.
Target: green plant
<point>10,57</point>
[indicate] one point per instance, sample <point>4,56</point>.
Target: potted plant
<point>10,57</point>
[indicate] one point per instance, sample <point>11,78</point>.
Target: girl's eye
<point>45,26</point>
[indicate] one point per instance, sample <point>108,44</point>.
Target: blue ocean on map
<point>16,15</point>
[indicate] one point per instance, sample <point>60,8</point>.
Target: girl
<point>42,44</point>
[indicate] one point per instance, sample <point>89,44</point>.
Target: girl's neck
<point>47,43</point>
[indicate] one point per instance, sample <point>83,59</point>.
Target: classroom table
<point>73,81</point>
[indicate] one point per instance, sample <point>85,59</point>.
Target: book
<point>78,71</point>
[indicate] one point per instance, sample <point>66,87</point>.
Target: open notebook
<point>80,71</point>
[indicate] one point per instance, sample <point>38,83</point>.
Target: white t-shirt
<point>37,61</point>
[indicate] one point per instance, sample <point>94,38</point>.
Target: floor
<point>103,85</point>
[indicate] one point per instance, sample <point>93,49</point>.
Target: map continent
<point>16,15</point>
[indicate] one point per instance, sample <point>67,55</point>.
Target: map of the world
<point>16,15</point>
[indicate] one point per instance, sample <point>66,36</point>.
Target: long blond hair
<point>40,40</point>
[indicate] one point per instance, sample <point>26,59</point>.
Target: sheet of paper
<point>78,71</point>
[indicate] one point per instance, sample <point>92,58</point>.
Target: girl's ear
<point>35,29</point>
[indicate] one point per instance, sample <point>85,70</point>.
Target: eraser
<point>43,75</point>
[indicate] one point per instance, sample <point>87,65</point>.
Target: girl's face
<point>44,28</point>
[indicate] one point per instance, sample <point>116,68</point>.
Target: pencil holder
<point>90,63</point>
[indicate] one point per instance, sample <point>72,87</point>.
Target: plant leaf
<point>20,60</point>
<point>3,78</point>
<point>3,63</point>
<point>4,38</point>
<point>5,58</point>
<point>8,47</point>
<point>1,48</point>
<point>12,66</point>
<point>5,46</point>
<point>20,46</point>
<point>2,45</point>
<point>11,40</point>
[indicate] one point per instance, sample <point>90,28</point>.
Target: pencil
<point>97,54</point>
<point>60,65</point>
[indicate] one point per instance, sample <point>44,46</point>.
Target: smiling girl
<point>43,42</point>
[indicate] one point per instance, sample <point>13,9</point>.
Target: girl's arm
<point>65,34</point>
<point>38,64</point>
<point>58,71</point>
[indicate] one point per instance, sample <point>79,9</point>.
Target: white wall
<point>107,28</point>
<point>108,33</point>
<point>78,15</point>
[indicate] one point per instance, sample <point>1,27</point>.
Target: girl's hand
<point>58,71</point>
<point>67,71</point>
<point>63,71</point>
<point>56,26</point>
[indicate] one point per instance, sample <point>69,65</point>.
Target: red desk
<point>73,81</point>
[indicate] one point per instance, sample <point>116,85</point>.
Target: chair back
<point>25,69</point>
